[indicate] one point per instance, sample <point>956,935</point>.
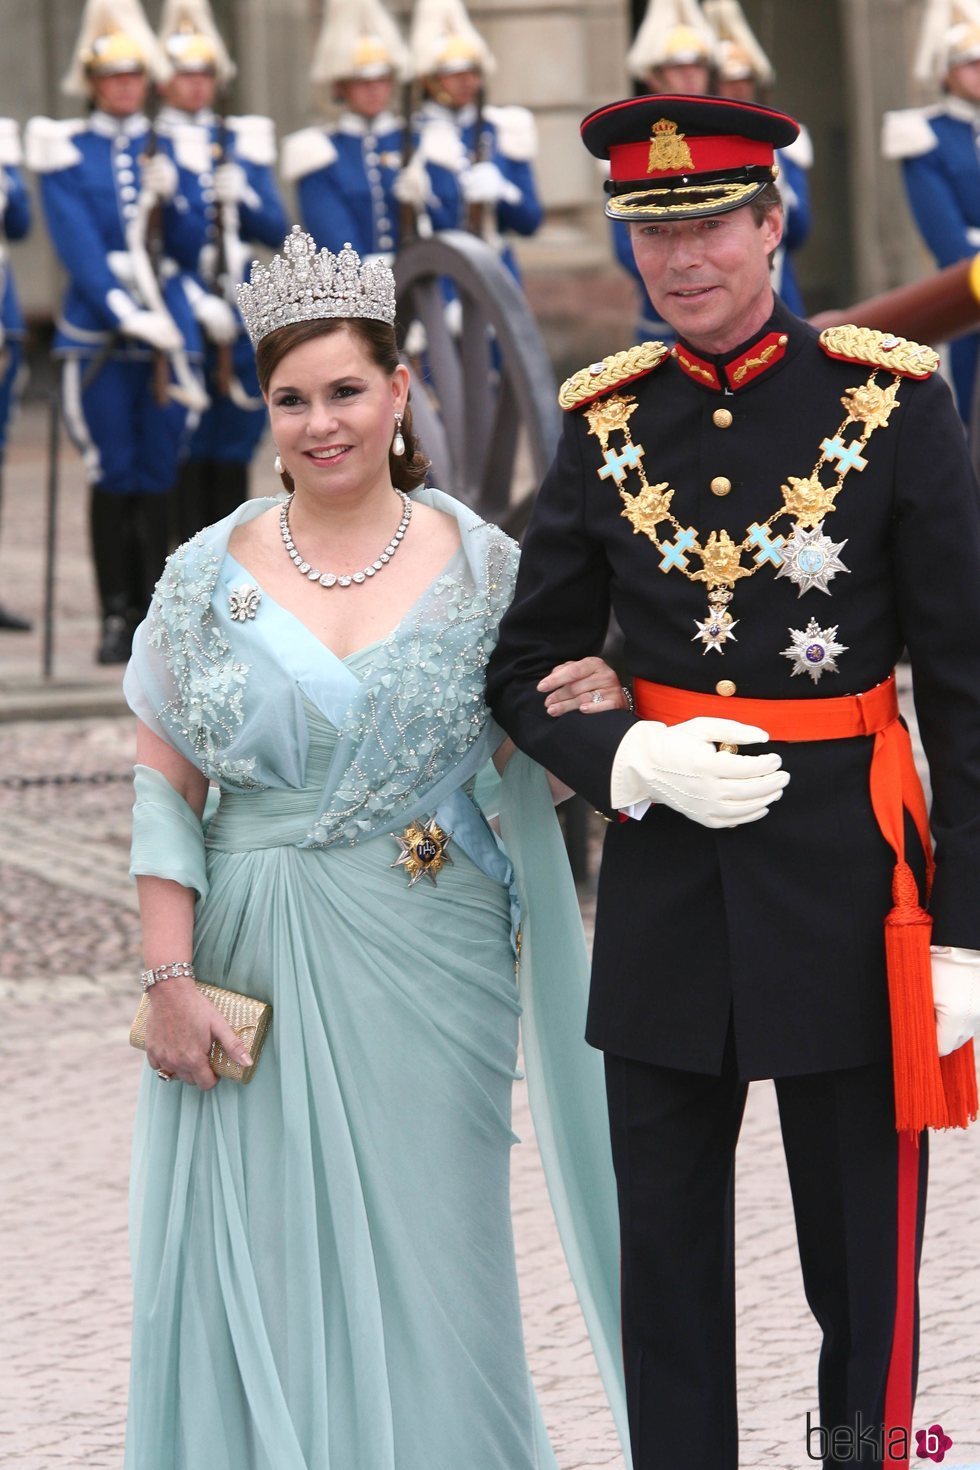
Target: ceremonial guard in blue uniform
<point>347,172</point>
<point>479,158</point>
<point>231,161</point>
<point>743,73</point>
<point>673,51</point>
<point>15,221</point>
<point>939,150</point>
<point>126,335</point>
<point>772,515</point>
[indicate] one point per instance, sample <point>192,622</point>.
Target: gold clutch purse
<point>248,1018</point>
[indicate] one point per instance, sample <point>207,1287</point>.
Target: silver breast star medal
<point>814,651</point>
<point>423,850</point>
<point>243,602</point>
<point>810,559</point>
<point>717,626</point>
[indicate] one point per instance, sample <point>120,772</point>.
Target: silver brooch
<point>810,559</point>
<point>814,651</point>
<point>243,602</point>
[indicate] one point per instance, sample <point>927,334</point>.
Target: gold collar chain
<point>808,500</point>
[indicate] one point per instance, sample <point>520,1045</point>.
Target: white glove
<point>679,766</point>
<point>230,183</point>
<point>159,175</point>
<point>217,318</point>
<point>956,996</point>
<point>154,327</point>
<point>485,184</point>
<point>411,185</point>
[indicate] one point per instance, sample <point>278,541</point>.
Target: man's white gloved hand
<point>956,996</point>
<point>217,318</point>
<point>680,766</point>
<point>153,327</point>
<point>230,183</point>
<point>485,184</point>
<point>159,175</point>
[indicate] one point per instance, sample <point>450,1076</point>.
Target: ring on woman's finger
<point>597,696</point>
<point>164,1076</point>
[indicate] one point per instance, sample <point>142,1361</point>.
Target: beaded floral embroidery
<point>423,705</point>
<point>207,706</point>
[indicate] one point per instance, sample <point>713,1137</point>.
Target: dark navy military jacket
<point>776,924</point>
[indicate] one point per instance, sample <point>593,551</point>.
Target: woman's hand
<point>586,684</point>
<point>180,1029</point>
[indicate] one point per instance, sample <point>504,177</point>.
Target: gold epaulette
<point>880,350</point>
<point>613,371</point>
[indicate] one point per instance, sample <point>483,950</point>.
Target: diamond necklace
<point>331,579</point>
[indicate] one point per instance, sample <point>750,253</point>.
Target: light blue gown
<point>323,1260</point>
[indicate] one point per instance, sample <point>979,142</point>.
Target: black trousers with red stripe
<point>673,1140</point>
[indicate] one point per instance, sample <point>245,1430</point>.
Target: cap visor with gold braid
<point>674,158</point>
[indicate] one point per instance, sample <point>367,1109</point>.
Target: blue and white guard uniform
<point>939,150</point>
<point>345,176</point>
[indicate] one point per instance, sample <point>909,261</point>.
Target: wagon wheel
<point>484,402</point>
<point>484,399</point>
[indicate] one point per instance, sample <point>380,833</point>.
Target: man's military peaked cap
<point>674,158</point>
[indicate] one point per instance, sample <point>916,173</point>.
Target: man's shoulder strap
<point>880,350</point>
<point>614,371</point>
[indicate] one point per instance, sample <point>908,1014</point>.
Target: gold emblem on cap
<point>668,148</point>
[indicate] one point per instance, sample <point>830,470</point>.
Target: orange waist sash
<point>929,1092</point>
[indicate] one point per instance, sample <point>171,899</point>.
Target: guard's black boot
<point>110,519</point>
<point>11,622</point>
<point>117,635</point>
<point>229,487</point>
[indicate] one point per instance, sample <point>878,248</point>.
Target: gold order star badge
<point>808,500</point>
<point>871,405</point>
<point>722,562</point>
<point>609,414</point>
<point>423,850</point>
<point>647,509</point>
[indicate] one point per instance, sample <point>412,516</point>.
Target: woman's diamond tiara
<point>304,284</point>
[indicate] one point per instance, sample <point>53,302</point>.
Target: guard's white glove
<point>956,996</point>
<point>153,327</point>
<point>680,766</point>
<point>159,175</point>
<point>216,317</point>
<point>485,184</point>
<point>230,183</point>
<point>411,185</point>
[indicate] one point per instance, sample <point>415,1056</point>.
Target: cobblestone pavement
<point>67,957</point>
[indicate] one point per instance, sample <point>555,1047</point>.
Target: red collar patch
<point>738,373</point>
<point>697,368</point>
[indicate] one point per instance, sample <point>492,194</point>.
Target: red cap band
<point>653,159</point>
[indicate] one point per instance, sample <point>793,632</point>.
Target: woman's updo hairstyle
<point>408,470</point>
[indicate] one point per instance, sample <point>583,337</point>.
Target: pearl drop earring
<point>277,464</point>
<point>398,443</point>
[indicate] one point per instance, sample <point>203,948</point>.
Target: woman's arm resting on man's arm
<point>572,686</point>
<point>181,1024</point>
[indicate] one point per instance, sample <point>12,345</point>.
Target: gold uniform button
<point>722,418</point>
<point>725,687</point>
<point>720,485</point>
